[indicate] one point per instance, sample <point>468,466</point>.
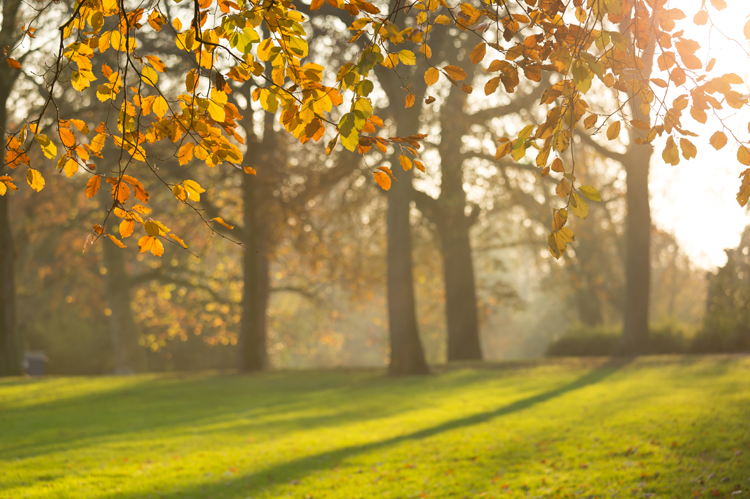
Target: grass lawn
<point>665,427</point>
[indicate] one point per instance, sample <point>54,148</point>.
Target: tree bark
<point>253,348</point>
<point>462,317</point>
<point>253,351</point>
<point>638,252</point>
<point>11,347</point>
<point>460,293</point>
<point>637,233</point>
<point>407,356</point>
<point>129,355</point>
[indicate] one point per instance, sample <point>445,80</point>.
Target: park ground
<point>660,427</point>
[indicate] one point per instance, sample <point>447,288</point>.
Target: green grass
<point>670,427</point>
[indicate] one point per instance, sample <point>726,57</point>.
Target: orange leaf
<point>431,76</point>
<point>220,221</point>
<point>383,180</point>
<point>455,72</point>
<point>13,63</point>
<point>92,186</point>
<point>116,241</point>
<point>126,228</point>
<point>478,53</point>
<point>410,99</point>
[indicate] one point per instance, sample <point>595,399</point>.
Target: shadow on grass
<point>298,468</point>
<point>186,405</point>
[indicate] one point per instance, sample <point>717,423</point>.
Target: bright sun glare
<point>696,199</point>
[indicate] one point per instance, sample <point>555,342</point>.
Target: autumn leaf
<point>590,192</point>
<point>35,179</point>
<point>407,57</point>
<point>718,140</point>
<point>578,206</point>
<point>116,241</point>
<point>220,221</point>
<point>193,190</point>
<point>383,180</point>
<point>405,162</point>
<point>477,54</point>
<point>455,72</point>
<point>13,63</point>
<point>126,228</point>
<point>743,155</point>
<point>185,153</point>
<point>431,76</point>
<point>93,185</point>
<point>160,106</point>
<point>613,131</point>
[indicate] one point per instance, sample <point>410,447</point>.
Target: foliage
<point>229,43</point>
<point>672,427</point>
<point>603,340</point>
<point>726,325</point>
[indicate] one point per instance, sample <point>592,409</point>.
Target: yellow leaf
<point>590,192</point>
<point>578,206</point>
<point>48,147</point>
<point>405,162</point>
<point>383,180</point>
<point>557,166</point>
<point>442,19</point>
<point>180,193</point>
<point>150,76</point>
<point>80,125</point>
<point>193,189</point>
<point>71,167</point>
<point>431,76</point>
<point>613,131</point>
<point>35,179</point>
<point>688,149</point>
<point>563,189</point>
<point>145,243</point>
<point>220,221</point>
<point>160,106</point>
<point>718,140</point>
<point>152,228</point>
<point>407,57</point>
<point>126,228</point>
<point>157,248</point>
<point>743,155</point>
<point>68,137</point>
<point>116,241</point>
<point>185,154</point>
<point>179,241</point>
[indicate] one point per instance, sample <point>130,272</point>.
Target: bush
<point>599,341</point>
<point>585,341</point>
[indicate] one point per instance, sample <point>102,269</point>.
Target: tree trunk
<point>253,354</point>
<point>637,233</point>
<point>129,355</point>
<point>407,356</point>
<point>638,252</point>
<point>460,293</point>
<point>454,226</point>
<point>11,347</point>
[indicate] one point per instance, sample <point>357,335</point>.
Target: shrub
<point>597,341</point>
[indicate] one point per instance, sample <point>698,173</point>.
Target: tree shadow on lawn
<point>301,467</point>
<point>177,406</point>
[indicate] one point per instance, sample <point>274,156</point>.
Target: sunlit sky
<point>696,199</point>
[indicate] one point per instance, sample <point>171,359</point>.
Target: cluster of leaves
<point>612,41</point>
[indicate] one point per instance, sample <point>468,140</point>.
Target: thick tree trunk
<point>253,352</point>
<point>460,293</point>
<point>454,226</point>
<point>10,345</point>
<point>638,253</point>
<point>407,356</point>
<point>637,234</point>
<point>11,348</point>
<point>129,355</point>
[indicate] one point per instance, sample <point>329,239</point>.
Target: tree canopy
<point>118,55</point>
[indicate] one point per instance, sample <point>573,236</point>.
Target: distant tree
<point>154,119</point>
